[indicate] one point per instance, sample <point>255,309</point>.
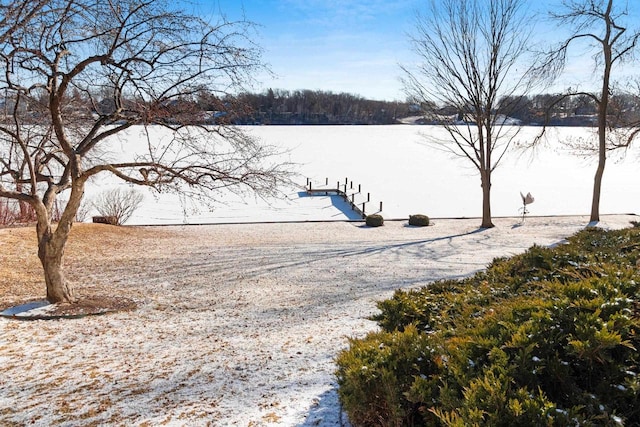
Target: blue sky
<point>351,46</point>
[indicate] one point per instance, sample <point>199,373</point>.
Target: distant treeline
<point>307,107</point>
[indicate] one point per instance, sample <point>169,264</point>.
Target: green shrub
<point>419,220</point>
<point>547,337</point>
<point>376,372</point>
<point>374,220</point>
<point>428,309</point>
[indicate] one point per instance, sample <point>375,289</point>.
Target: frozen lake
<point>398,167</point>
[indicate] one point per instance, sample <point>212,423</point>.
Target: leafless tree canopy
<point>77,73</point>
<point>474,65</point>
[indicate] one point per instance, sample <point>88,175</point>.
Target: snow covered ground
<point>239,324</point>
<point>397,167</point>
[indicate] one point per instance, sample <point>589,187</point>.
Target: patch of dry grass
<point>90,247</point>
<point>20,269</point>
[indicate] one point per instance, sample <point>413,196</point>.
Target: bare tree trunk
<point>603,107</point>
<point>485,176</point>
<point>51,244</point>
<point>597,186</point>
<point>50,254</point>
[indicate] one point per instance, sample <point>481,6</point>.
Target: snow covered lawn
<point>236,324</point>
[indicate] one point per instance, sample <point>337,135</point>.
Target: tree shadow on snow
<point>361,250</point>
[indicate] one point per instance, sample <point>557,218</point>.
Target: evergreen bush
<point>374,220</point>
<point>547,337</point>
<point>419,220</point>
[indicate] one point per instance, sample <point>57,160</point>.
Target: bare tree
<point>118,203</point>
<point>600,24</point>
<point>78,73</point>
<point>472,56</point>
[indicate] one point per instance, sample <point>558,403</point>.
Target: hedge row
<point>546,338</point>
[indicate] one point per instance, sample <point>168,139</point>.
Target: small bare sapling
<point>118,203</point>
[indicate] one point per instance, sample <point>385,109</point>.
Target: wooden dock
<point>349,194</point>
